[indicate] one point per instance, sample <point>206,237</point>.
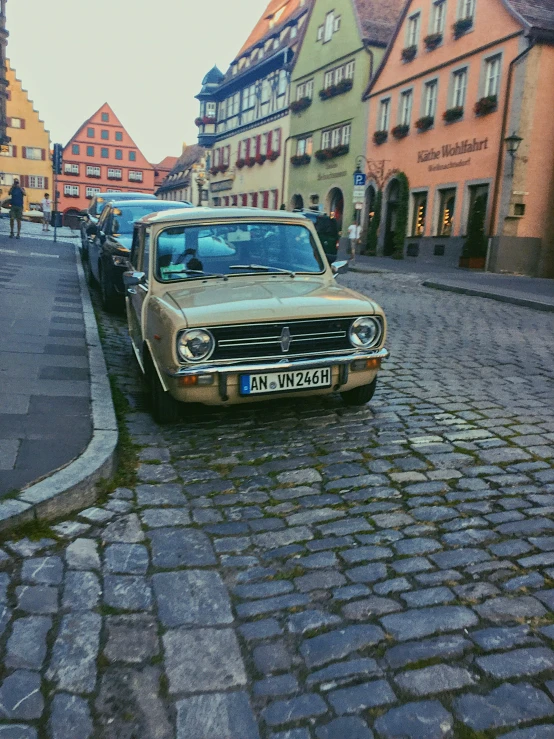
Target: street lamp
<point>512,145</point>
<point>200,182</point>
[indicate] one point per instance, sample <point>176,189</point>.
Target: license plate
<point>279,382</point>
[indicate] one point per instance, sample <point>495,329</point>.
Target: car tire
<point>87,270</point>
<point>360,395</point>
<point>108,297</point>
<point>165,409</point>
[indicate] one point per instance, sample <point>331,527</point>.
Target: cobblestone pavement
<point>309,571</point>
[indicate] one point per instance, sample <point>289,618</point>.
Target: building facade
<point>187,179</point>
<point>344,43</point>
<point>244,114</point>
<point>4,136</point>
<point>27,155</point>
<point>101,157</point>
<point>461,86</point>
<point>162,169</point>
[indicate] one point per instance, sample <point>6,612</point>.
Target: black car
<point>327,230</point>
<point>90,216</point>
<point>106,256</point>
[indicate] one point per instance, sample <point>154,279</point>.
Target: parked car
<point>90,216</point>
<point>106,256</point>
<point>229,306</point>
<point>327,230</point>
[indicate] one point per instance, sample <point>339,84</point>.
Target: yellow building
<point>27,156</point>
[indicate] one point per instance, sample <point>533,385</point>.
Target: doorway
<point>336,205</point>
<point>393,193</point>
<point>297,202</point>
<point>370,197</point>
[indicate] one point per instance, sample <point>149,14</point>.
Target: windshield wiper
<point>198,272</point>
<point>263,268</point>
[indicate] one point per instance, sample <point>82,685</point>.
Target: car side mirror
<point>132,279</point>
<point>339,268</point>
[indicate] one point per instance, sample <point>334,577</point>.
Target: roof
<point>214,76</point>
<point>202,214</point>
<point>537,15</point>
<point>377,19</point>
<point>168,163</point>
<point>276,13</point>
<point>191,155</point>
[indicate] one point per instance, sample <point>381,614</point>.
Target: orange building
<point>101,157</point>
<point>162,169</point>
<point>461,105</point>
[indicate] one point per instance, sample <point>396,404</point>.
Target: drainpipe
<point>496,194</point>
<point>372,56</point>
<point>284,171</point>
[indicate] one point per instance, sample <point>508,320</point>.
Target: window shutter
<point>258,145</point>
<point>8,121</point>
<point>14,150</point>
<point>24,152</point>
<point>265,199</point>
<point>46,183</point>
<point>228,154</point>
<point>25,180</point>
<point>43,154</point>
<point>270,142</point>
<point>22,122</point>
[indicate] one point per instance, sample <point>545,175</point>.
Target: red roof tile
<point>378,18</point>
<point>278,10</point>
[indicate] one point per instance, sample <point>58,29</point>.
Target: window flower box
<point>240,163</point>
<point>214,170</point>
<point>486,105</point>
<point>297,106</point>
<point>250,161</point>
<point>198,121</point>
<point>204,120</point>
<point>334,151</point>
<point>222,167</point>
<point>408,54</point>
<point>344,85</point>
<point>298,160</point>
<point>400,131</point>
<point>453,114</point>
<point>432,41</point>
<point>379,137</point>
<point>463,25</point>
<point>322,154</point>
<point>273,155</point>
<point>260,158</point>
<point>334,90</point>
<point>425,123</point>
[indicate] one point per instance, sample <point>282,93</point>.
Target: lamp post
<point>512,145</point>
<point>200,182</point>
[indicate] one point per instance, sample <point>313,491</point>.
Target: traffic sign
<point>359,179</point>
<point>358,206</point>
<point>358,195</point>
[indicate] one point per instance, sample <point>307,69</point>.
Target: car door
<point>95,247</point>
<point>136,296</point>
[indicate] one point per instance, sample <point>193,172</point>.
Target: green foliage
<point>402,212</point>
<point>475,244</point>
<point>373,230</point>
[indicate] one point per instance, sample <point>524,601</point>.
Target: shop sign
<point>448,151</point>
<point>221,185</point>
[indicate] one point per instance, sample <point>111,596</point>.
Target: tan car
<point>233,306</point>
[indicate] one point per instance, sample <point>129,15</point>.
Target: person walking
<point>17,195</point>
<point>354,233</point>
<point>46,205</point>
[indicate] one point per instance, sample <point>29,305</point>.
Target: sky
<point>146,59</point>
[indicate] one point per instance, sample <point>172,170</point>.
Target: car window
<point>134,248</point>
<point>146,253</point>
<point>183,252</point>
<point>103,220</point>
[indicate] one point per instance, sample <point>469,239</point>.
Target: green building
<point>344,43</point>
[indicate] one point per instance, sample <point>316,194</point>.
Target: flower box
<point>250,161</point>
<point>338,89</point>
<point>240,163</point>
<point>222,168</point>
<point>340,150</point>
<point>297,106</point>
<point>322,154</point>
<point>409,53</point>
<point>432,41</point>
<point>462,26</point>
<point>198,121</point>
<point>260,158</point>
<point>273,155</point>
<point>204,120</point>
<point>300,159</point>
<point>344,85</point>
<point>333,151</point>
<point>425,123</point>
<point>486,105</point>
<point>214,170</point>
<point>400,131</point>
<point>379,137</point>
<point>453,114</point>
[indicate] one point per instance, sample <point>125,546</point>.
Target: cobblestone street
<point>306,570</point>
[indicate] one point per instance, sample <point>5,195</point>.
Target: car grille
<point>263,340</point>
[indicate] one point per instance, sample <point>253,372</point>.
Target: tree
<point>373,230</point>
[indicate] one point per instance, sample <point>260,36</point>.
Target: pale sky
<point>146,59</point>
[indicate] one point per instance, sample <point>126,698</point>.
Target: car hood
<point>278,298</point>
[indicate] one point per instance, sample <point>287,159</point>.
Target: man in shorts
<point>17,195</point>
<point>46,206</point>
<point>354,232</point>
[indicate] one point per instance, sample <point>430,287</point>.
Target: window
<point>32,152</point>
<point>114,174</point>
<point>119,136</point>
<point>329,78</point>
<point>293,32</point>
<point>283,82</point>
<point>93,171</point>
<point>325,139</point>
<point>384,115</point>
<point>459,88</point>
<point>406,108</point>
<point>276,140</point>
<point>467,8</point>
<point>37,182</point>
<point>305,90</point>
<point>210,110</point>
<point>90,192</point>
<point>9,150</point>
<point>264,144</point>
<point>346,134</point>
<point>439,15</point>
<point>105,117</point>
<point>492,76</point>
<point>349,70</point>
<point>118,154</point>
<point>135,176</point>
<point>430,104</point>
<point>72,191</point>
<point>105,134</point>
<point>90,151</point>
<point>413,30</point>
<point>339,136</point>
<point>446,212</point>
<point>329,25</point>
<point>90,133</point>
<point>71,168</point>
<point>249,97</point>
<point>16,122</point>
<point>304,146</point>
<point>335,137</point>
<point>112,190</point>
<point>320,33</point>
<point>420,209</point>
<point>75,149</point>
<point>132,156</point>
<point>104,153</point>
<point>336,24</point>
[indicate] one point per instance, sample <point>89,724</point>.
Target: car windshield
<point>193,252</point>
<point>125,216</point>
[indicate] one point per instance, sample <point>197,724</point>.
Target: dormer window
<point>276,43</point>
<point>329,25</point>
<point>293,32</point>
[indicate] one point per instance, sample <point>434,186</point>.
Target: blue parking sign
<point>359,179</point>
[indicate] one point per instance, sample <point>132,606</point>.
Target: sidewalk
<point>531,292</point>
<point>45,388</point>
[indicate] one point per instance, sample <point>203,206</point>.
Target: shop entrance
<point>392,211</point>
<point>297,202</point>
<point>335,200</point>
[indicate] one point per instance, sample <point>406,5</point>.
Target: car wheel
<point>165,408</point>
<point>110,303</point>
<point>360,395</point>
<point>87,270</point>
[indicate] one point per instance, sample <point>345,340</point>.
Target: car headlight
<point>195,345</point>
<point>365,332</point>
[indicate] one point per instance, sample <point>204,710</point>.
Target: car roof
<point>125,196</point>
<point>202,214</point>
<point>161,204</point>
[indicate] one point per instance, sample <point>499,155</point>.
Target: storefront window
<point>446,212</point>
<point>420,210</point>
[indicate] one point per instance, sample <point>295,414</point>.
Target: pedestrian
<point>354,232</point>
<point>46,205</point>
<point>17,195</point>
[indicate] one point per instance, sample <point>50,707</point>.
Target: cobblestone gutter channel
<point>306,570</point>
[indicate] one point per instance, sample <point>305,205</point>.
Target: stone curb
<point>74,486</point>
<point>524,302</point>
<point>369,270</point>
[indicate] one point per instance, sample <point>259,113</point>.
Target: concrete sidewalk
<point>530,292</point>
